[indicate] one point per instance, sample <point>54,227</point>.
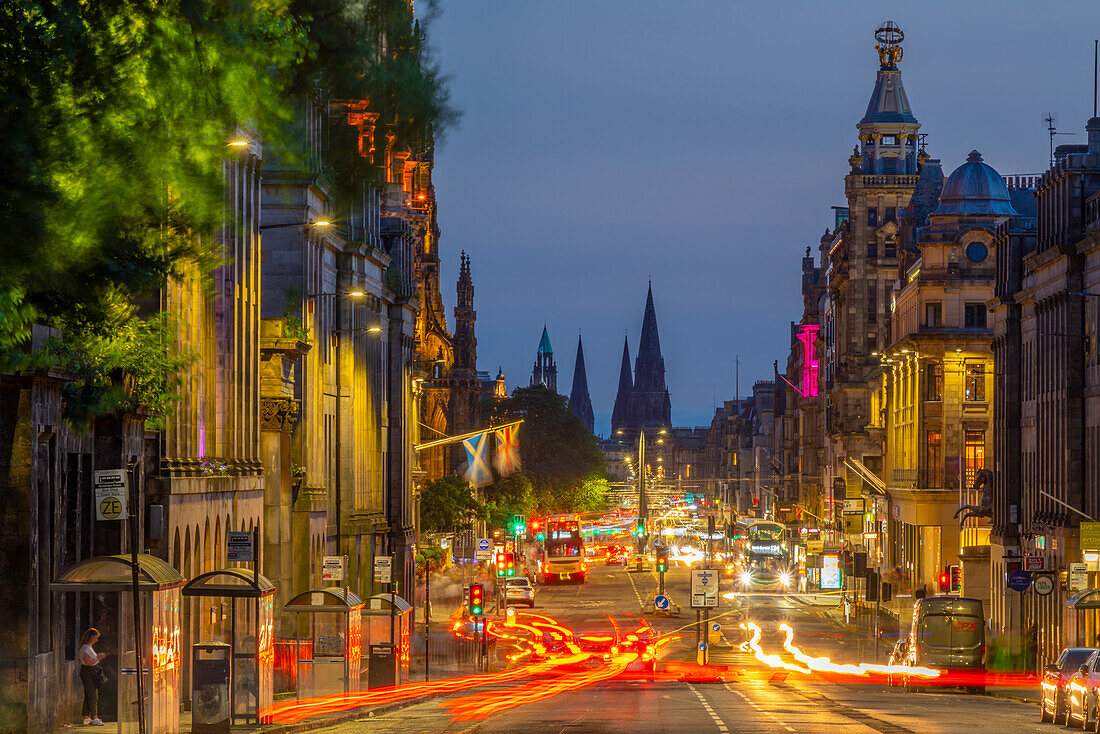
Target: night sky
<point>701,144</point>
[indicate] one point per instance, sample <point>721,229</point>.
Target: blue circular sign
<point>661,602</point>
<point>484,544</point>
<point>1019,580</point>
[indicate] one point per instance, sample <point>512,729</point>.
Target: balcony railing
<point>886,181</point>
<point>917,479</point>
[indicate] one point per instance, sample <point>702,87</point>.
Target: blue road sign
<point>1019,580</point>
<point>484,544</point>
<point>661,602</point>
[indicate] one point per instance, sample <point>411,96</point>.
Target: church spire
<point>619,417</point>
<point>465,341</point>
<point>580,404</point>
<point>649,365</point>
<point>545,371</point>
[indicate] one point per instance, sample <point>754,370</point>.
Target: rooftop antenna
<point>1052,129</point>
<point>1095,48</point>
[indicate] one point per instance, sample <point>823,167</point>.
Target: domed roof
<point>975,188</point>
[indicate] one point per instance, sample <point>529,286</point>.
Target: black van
<point>948,634</point>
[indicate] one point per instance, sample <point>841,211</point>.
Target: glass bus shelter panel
<point>253,656</point>
<point>161,629</point>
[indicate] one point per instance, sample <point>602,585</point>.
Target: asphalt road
<point>754,698</point>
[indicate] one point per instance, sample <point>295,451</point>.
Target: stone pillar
<point>277,419</point>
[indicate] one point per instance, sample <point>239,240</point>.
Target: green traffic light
<point>476,610</point>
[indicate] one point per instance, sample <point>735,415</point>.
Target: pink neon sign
<point>807,334</point>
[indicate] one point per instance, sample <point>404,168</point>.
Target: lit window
<point>975,382</point>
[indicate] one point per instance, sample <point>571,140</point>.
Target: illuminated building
<point>934,401</point>
<point>861,269</point>
<point>1047,428</point>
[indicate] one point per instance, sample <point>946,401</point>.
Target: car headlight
<point>746,578</point>
<point>785,579</point>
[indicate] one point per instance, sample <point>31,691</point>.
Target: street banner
<point>477,459</point>
<point>507,458</point>
<point>1089,534</point>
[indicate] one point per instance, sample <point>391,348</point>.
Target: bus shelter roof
<point>230,582</point>
<point>332,599</point>
<point>115,573</point>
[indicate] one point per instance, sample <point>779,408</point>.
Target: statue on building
<point>983,481</point>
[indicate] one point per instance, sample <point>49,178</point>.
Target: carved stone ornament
<point>278,414</point>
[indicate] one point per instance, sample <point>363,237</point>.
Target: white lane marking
<point>634,586</point>
<point>706,706</point>
<point>752,703</point>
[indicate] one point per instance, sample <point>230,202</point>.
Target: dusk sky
<point>702,144</point>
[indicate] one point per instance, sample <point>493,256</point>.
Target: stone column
<point>277,419</point>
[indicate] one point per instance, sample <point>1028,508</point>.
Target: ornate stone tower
<point>463,386</point>
<point>545,371</point>
<point>580,404</point>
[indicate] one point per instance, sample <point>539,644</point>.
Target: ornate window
<point>933,381</point>
<point>974,389</point>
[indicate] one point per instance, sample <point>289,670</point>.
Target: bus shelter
<point>331,619</point>
<point>389,627</point>
<point>159,608</point>
<point>252,653</point>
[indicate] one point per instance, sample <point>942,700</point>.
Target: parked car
<point>1081,691</point>
<point>518,590</point>
<point>897,657</point>
<point>1054,705</point>
<point>948,634</point>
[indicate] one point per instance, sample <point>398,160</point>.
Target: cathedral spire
<point>580,404</point>
<point>619,415</point>
<point>649,365</point>
<point>465,342</point>
<point>545,371</point>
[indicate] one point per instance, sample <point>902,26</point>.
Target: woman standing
<point>89,660</point>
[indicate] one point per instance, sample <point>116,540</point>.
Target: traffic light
<point>537,527</point>
<point>945,580</point>
<point>639,528</point>
<point>859,564</point>
<point>519,525</point>
<point>662,559</point>
<point>477,599</point>
<point>507,565</point>
<point>500,563</point>
<point>873,587</point>
<point>956,577</point>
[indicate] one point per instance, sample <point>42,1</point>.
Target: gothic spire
<point>580,404</point>
<point>619,415</point>
<point>649,365</point>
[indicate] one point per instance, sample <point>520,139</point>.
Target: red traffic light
<point>945,580</point>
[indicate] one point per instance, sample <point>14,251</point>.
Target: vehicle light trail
<point>823,664</point>
<point>483,705</point>
<point>771,660</point>
<point>289,712</point>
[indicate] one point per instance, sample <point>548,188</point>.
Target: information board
<point>238,547</point>
<point>111,494</point>
<point>332,568</point>
<point>383,569</point>
<point>704,588</point>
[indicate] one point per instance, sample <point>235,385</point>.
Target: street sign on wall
<point>1078,577</point>
<point>111,495</point>
<point>1089,534</point>
<point>1044,585</point>
<point>1035,563</point>
<point>1019,580</point>
<point>383,569</point>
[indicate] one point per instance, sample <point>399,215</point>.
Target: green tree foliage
<point>115,117</point>
<point>558,452</point>
<point>448,502</point>
<point>507,497</point>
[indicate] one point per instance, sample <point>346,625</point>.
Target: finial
<point>889,37</point>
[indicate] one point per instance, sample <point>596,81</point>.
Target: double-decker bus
<point>564,558</point>
<point>766,561</point>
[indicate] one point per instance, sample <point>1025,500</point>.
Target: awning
<point>378,602</point>
<point>115,573</point>
<point>230,582</point>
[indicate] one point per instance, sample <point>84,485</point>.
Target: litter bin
<point>210,676</point>
<point>382,666</point>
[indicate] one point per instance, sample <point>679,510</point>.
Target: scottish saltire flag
<point>477,460</point>
<point>507,458</point>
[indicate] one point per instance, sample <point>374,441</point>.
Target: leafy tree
<point>448,502</point>
<point>431,559</point>
<point>557,451</point>
<point>592,495</point>
<point>507,497</point>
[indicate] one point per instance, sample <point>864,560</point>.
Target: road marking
<point>714,717</point>
<point>634,586</point>
<point>752,703</point>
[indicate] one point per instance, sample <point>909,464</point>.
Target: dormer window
<point>889,139</point>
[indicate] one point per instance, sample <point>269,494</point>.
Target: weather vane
<point>889,37</point>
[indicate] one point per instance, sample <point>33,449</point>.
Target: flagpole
<point>463,437</point>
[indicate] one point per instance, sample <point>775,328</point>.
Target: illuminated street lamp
<point>318,224</point>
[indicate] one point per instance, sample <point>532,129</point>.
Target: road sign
<point>660,602</point>
<point>1044,585</point>
<point>1019,580</point>
<point>383,569</point>
<point>853,507</point>
<point>704,588</point>
<point>111,494</point>
<point>1035,563</point>
<point>815,546</point>
<point>332,568</point>
<point>484,550</point>
<point>1078,577</point>
<point>1089,536</point>
<point>238,547</point>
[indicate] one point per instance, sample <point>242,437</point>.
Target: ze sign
<point>704,588</point>
<point>110,494</point>
<point>383,568</point>
<point>332,568</point>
